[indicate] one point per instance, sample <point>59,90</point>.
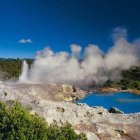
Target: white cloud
<point>25,41</point>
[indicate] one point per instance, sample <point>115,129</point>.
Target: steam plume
<point>96,67</point>
<point>24,75</point>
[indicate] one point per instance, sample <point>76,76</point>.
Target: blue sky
<point>59,23</point>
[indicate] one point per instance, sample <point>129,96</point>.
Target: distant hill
<point>130,79</point>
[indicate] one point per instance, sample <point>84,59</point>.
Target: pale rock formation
<point>96,122</point>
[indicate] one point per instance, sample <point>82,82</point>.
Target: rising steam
<point>24,75</point>
<point>96,67</point>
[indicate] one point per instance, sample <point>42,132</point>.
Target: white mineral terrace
<point>96,122</point>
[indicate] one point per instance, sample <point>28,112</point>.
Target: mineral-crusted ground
<point>48,101</point>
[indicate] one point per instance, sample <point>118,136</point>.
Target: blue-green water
<point>127,102</point>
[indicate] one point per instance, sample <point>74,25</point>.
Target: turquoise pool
<point>125,101</point>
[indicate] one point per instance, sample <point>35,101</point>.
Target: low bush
<point>16,123</point>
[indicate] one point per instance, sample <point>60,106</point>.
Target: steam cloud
<point>24,75</point>
<point>96,67</point>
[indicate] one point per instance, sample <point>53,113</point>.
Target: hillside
<point>11,68</point>
<point>130,79</point>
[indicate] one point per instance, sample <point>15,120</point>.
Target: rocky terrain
<point>52,102</point>
<point>114,89</point>
<point>55,92</point>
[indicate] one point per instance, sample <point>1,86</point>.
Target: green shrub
<point>17,123</point>
<point>65,132</point>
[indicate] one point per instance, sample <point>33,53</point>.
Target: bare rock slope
<point>54,92</point>
<point>96,122</point>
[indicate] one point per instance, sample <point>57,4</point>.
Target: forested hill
<point>130,79</point>
<point>11,68</point>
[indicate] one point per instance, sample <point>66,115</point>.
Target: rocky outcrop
<point>108,89</point>
<point>70,93</point>
<point>115,110</point>
<point>117,89</point>
<point>96,121</point>
<point>56,92</point>
<point>134,91</point>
